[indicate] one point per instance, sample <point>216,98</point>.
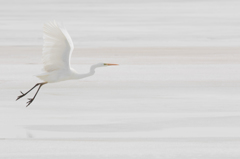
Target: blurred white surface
<point>162,102</point>
<point>145,23</point>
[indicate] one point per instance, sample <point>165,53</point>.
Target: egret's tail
<point>43,76</point>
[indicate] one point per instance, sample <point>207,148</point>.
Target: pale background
<point>175,93</point>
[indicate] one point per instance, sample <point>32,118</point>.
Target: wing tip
<point>52,23</point>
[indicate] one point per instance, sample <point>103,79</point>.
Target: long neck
<point>90,73</point>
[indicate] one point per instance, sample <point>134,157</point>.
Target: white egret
<point>57,50</point>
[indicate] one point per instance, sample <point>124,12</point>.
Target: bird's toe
<point>29,102</point>
<point>20,96</point>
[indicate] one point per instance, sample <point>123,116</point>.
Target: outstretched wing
<point>57,47</point>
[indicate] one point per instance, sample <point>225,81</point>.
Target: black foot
<point>20,95</point>
<point>30,101</point>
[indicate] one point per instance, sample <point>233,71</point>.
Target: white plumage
<point>56,55</point>
<point>57,47</point>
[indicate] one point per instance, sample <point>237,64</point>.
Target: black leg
<point>31,99</point>
<point>23,94</point>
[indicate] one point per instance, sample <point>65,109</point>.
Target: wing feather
<point>57,47</point>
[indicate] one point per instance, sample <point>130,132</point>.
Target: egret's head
<point>102,65</point>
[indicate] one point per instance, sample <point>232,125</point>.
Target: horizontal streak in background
<point>160,102</point>
<point>121,23</point>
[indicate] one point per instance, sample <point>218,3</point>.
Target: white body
<point>66,74</point>
<point>57,50</point>
<point>57,75</point>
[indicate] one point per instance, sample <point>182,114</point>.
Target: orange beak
<point>109,64</point>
